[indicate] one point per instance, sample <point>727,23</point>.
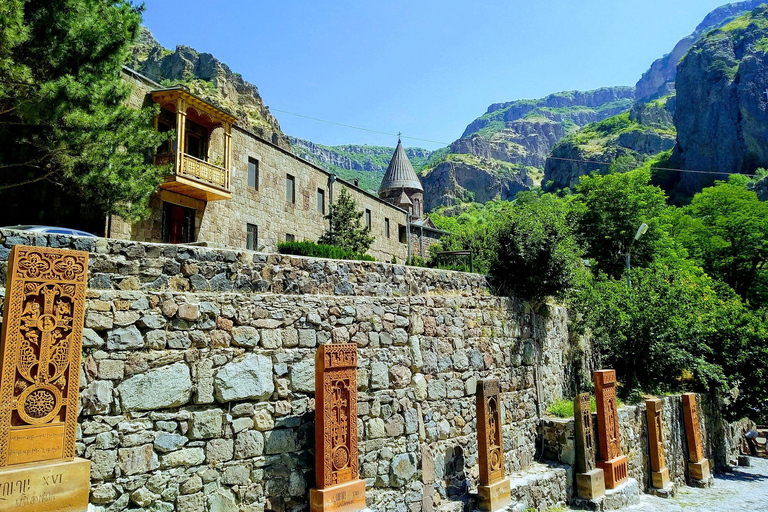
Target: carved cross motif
<point>607,414</point>
<point>489,436</point>
<point>692,429</point>
<point>585,448</point>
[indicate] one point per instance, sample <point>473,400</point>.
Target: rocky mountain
<point>622,141</point>
<point>721,114</point>
<point>208,78</point>
<point>659,80</point>
<point>505,150</point>
<point>364,163</point>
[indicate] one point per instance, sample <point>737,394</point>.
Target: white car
<point>49,230</point>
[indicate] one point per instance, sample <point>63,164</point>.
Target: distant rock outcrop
<point>659,80</point>
<point>721,114</point>
<point>208,78</point>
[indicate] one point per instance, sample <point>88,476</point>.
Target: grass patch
<point>315,250</point>
<point>563,408</point>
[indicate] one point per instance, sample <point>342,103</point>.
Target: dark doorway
<point>178,224</point>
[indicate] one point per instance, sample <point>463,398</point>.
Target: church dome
<point>400,174</point>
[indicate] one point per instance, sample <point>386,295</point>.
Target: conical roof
<point>400,173</point>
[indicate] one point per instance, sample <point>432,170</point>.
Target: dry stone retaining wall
<point>197,388</point>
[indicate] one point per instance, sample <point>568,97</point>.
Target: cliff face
<point>617,143</point>
<point>659,80</point>
<point>463,178</point>
<point>722,111</point>
<point>208,78</point>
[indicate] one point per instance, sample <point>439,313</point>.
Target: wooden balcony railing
<point>214,180</point>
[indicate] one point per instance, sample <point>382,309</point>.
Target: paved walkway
<point>744,490</point>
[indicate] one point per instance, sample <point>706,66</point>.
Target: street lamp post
<point>640,232</point>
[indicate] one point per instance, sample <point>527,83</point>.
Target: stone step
<point>541,486</point>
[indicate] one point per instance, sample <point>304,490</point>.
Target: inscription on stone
<point>612,462</point>
<point>692,431</point>
<point>41,350</point>
<point>585,438</point>
<point>336,458</point>
<point>655,435</point>
<point>489,440</point>
<point>56,486</point>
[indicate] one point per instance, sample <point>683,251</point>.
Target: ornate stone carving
<point>489,440</point>
<point>494,490</point>
<point>612,462</point>
<point>41,350</point>
<point>336,461</point>
<point>659,470</point>
<point>585,437</point>
<point>698,466</point>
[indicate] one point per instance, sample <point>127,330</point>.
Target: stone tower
<point>401,187</point>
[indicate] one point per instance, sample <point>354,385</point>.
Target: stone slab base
<point>698,470</point>
<point>616,471</point>
<point>623,495</point>
<point>703,483</point>
<point>667,492</point>
<point>660,479</point>
<point>346,497</point>
<point>744,461</point>
<point>541,486</point>
<point>495,496</point>
<point>590,485</point>
<point>50,486</point>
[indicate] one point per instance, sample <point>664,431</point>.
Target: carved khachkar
<point>698,466</point>
<point>590,482</point>
<point>612,462</point>
<point>494,489</point>
<point>41,349</point>
<point>659,470</point>
<point>336,461</point>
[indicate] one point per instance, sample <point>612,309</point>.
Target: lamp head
<point>641,231</point>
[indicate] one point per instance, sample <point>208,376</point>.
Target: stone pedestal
<point>346,497</point>
<point>495,496</point>
<point>51,486</point>
<point>590,485</point>
<point>660,479</point>
<point>615,470</point>
<point>699,470</point>
<point>625,494</point>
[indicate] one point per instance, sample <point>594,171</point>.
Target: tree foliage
<point>345,230</point>
<point>63,117</point>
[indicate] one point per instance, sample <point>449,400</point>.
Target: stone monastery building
<point>232,188</point>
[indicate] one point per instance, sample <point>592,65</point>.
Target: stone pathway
<point>744,490</point>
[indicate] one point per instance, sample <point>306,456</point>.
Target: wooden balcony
<point>196,178</point>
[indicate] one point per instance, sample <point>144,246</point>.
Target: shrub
<point>307,248</point>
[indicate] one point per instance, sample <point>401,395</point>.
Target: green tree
<point>536,252</point>
<point>612,209</point>
<point>345,230</point>
<point>727,234</point>
<point>63,117</point>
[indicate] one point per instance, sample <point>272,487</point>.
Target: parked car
<point>49,230</point>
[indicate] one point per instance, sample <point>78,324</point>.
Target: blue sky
<point>426,68</point>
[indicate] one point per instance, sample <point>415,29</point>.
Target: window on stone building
<point>368,218</point>
<point>386,227</point>
<point>321,201</point>
<point>290,188</point>
<point>402,233</point>
<point>290,238</point>
<point>251,237</point>
<point>253,173</point>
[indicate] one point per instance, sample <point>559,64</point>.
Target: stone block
<point>699,470</point>
<point>219,450</point>
<point>249,444</point>
<point>140,459</point>
<point>205,424</point>
<point>590,485</point>
<point>125,338</point>
<point>346,497</point>
<point>246,378</point>
<point>660,479</point>
<point>495,496</point>
<point>245,336</point>
<point>302,376</point>
<point>169,386</point>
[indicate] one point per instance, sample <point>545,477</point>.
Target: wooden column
<point>612,462</point>
<point>339,487</point>
<point>590,480</point>
<point>698,466</point>
<point>42,336</point>
<point>227,151</point>
<point>659,470</point>
<point>494,490</point>
<point>181,131</point>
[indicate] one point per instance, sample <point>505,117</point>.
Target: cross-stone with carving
<point>494,490</point>
<point>612,462</point>
<point>336,462</point>
<point>659,469</point>
<point>698,466</point>
<point>590,481</point>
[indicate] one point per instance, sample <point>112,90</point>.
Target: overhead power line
<point>652,168</point>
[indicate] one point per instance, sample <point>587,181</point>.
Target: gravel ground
<point>744,490</point>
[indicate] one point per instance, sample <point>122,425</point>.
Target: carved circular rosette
<point>340,458</point>
<point>495,459</point>
<point>39,403</point>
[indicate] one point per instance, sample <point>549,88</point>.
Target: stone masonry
<point>197,388</point>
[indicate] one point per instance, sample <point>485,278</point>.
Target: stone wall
<point>558,440</point>
<point>224,223</point>
<point>197,388</point>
